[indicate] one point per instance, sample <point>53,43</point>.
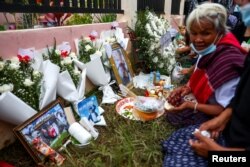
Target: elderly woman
<point>217,69</point>
<point>181,148</point>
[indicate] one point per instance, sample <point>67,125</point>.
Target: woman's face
<point>202,35</point>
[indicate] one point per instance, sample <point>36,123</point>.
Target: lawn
<point>122,143</point>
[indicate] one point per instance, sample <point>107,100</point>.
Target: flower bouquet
<point>71,81</point>
<point>113,35</point>
<point>91,55</point>
<point>19,84</point>
<point>150,29</point>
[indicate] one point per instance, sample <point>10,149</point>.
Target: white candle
<point>79,133</point>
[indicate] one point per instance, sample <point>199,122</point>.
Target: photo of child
<point>89,108</point>
<point>49,127</point>
<point>121,66</point>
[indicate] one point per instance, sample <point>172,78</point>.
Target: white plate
<point>125,107</point>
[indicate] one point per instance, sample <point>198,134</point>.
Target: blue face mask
<point>245,12</point>
<point>236,8</point>
<point>211,48</point>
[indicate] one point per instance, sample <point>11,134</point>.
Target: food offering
<point>155,91</point>
<point>125,108</point>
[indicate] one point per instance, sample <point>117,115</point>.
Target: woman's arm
<point>216,125</point>
<point>210,109</point>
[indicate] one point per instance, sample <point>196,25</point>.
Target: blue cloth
<point>177,151</point>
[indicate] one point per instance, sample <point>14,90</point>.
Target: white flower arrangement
<point>64,60</point>
<point>18,77</point>
<point>150,29</point>
<point>86,48</point>
<point>6,88</point>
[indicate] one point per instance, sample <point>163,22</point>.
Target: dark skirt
<point>177,151</point>
<point>186,118</point>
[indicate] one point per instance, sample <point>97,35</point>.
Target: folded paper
<point>49,83</point>
<point>17,113</point>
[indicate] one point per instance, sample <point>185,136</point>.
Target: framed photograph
<point>88,108</point>
<point>49,126</point>
<point>121,65</point>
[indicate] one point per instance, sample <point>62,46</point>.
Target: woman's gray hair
<point>212,12</point>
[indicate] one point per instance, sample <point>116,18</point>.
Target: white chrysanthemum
<point>36,73</point>
<point>14,66</point>
<point>2,64</point>
<point>66,60</point>
<point>150,16</point>
<point>6,87</point>
<point>28,82</point>
<point>170,67</point>
<point>155,59</point>
<point>165,55</point>
<point>73,55</point>
<point>161,65</point>
<point>77,72</point>
<point>87,48</point>
<point>87,39</point>
<point>156,35</point>
<point>57,52</point>
<point>157,44</point>
<point>148,28</point>
<point>153,25</point>
<point>172,61</point>
<point>152,47</point>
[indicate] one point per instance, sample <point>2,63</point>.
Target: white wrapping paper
<point>27,52</point>
<point>48,90</point>
<point>14,110</point>
<point>111,36</point>
<point>109,95</point>
<point>95,71</point>
<point>67,89</point>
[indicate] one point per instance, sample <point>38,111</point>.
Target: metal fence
<point>156,5</point>
<point>65,6</point>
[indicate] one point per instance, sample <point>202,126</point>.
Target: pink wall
<point>11,40</point>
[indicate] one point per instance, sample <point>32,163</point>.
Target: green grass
<point>122,143</point>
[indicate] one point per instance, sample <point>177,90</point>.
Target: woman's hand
<point>217,124</point>
<point>175,97</point>
<point>183,106</point>
<point>204,144</point>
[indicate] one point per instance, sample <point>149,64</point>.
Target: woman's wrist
<point>195,107</point>
<point>186,89</point>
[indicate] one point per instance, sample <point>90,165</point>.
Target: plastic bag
<point>148,104</point>
<point>176,75</point>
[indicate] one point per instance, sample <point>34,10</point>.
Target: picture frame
<point>49,125</point>
<point>121,66</point>
<point>88,108</point>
